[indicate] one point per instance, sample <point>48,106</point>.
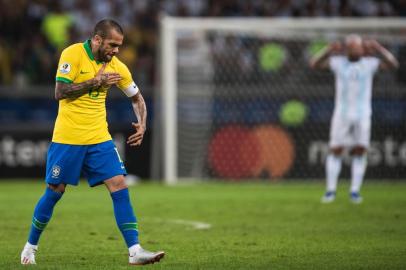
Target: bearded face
<point>110,46</point>
<point>104,54</point>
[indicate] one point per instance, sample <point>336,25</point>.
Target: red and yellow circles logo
<point>239,152</point>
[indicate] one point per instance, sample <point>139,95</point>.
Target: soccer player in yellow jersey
<point>81,142</point>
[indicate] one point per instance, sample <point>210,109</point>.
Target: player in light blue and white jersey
<point>354,64</point>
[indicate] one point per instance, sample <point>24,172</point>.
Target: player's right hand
<point>336,47</point>
<point>371,46</point>
<point>106,78</point>
<point>110,78</point>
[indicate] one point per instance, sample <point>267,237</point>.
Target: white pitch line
<point>197,225</point>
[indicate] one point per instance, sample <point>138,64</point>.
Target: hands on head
<point>370,46</point>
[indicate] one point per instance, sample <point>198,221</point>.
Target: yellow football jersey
<point>82,120</point>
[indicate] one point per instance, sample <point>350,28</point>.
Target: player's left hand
<point>136,138</point>
<point>371,46</point>
<point>336,47</point>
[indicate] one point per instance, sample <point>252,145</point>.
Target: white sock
<point>28,245</point>
<point>358,166</point>
<point>333,168</point>
<point>134,248</point>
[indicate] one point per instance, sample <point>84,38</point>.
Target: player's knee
<point>116,183</point>
<point>60,188</point>
<point>358,151</point>
<point>337,151</point>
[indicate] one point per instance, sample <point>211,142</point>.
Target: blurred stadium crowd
<point>32,33</point>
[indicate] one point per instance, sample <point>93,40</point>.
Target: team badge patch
<point>56,170</point>
<point>64,68</point>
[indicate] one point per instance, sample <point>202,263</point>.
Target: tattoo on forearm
<point>140,109</point>
<point>73,90</point>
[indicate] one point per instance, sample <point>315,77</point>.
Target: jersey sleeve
<point>126,84</point>
<point>335,62</point>
<point>68,66</point>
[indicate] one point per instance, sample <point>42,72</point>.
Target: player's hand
<point>336,47</point>
<point>368,49</point>
<point>371,46</point>
<point>98,78</point>
<point>110,78</point>
<point>136,138</point>
<point>106,79</point>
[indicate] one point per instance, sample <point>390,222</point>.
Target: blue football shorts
<point>66,163</point>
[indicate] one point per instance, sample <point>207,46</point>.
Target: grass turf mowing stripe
<point>260,226</point>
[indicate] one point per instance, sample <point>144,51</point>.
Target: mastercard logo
<point>238,152</point>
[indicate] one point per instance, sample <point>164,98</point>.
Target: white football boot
<point>328,197</point>
<point>140,256</point>
<point>28,254</point>
<point>355,198</point>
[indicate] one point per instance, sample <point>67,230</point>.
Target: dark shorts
<point>97,162</point>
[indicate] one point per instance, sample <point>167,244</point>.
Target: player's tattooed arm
<point>74,90</point>
<point>320,59</point>
<point>388,59</point>
<point>140,110</point>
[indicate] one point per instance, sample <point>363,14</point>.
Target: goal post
<point>168,101</point>
<point>216,72</point>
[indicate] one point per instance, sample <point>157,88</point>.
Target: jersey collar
<point>88,50</point>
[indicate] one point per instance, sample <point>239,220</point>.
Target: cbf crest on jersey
<point>56,171</point>
<point>64,68</point>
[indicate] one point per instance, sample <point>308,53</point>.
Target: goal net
<point>238,100</point>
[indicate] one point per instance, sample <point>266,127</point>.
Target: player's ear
<point>98,39</point>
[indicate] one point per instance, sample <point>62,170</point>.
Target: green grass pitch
<point>254,226</point>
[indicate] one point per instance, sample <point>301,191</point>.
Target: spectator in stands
<point>5,67</point>
<point>56,26</point>
<point>64,22</point>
